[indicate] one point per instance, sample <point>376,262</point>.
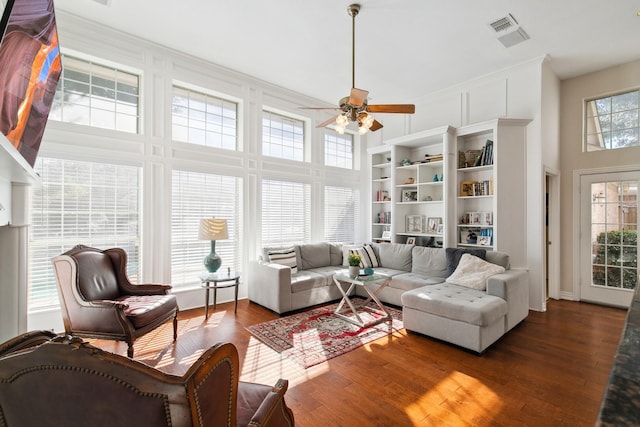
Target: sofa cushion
<point>284,257</point>
<point>408,281</point>
<point>308,279</point>
<point>454,255</point>
<point>473,272</point>
<point>499,258</point>
<point>395,255</point>
<point>335,253</point>
<point>429,261</point>
<point>456,303</point>
<point>314,255</point>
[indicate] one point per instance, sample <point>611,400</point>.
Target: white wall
<point>573,93</point>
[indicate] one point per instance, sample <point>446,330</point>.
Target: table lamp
<point>213,229</point>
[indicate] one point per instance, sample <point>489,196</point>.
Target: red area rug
<point>316,335</point>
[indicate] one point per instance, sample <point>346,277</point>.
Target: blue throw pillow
<point>454,255</point>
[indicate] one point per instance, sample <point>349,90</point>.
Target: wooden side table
<point>217,281</point>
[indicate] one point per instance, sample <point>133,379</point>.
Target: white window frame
<point>591,123</point>
<point>206,203</point>
<point>330,133</point>
<point>306,138</point>
<point>40,268</point>
<point>213,94</point>
<point>106,64</point>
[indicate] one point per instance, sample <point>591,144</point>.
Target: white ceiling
<point>405,49</point>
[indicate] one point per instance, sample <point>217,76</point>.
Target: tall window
<point>94,95</point>
<point>96,204</point>
<point>612,122</point>
<point>282,137</point>
<point>203,119</point>
<point>286,213</point>
<point>341,213</point>
<point>195,196</point>
<point>338,149</point>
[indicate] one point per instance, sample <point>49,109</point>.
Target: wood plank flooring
<point>551,370</point>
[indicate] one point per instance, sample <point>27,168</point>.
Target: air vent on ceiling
<point>508,30</point>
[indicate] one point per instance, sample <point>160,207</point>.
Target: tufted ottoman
<point>466,317</point>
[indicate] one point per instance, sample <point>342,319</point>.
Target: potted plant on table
<point>354,264</point>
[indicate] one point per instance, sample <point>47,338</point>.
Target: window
<point>96,204</point>
<point>95,95</point>
<point>612,122</point>
<point>338,149</point>
<point>286,213</point>
<point>341,213</point>
<point>204,120</point>
<point>282,137</point>
<point>195,196</point>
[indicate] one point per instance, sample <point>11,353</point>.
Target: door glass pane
<point>614,245</point>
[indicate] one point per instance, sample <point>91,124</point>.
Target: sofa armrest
<point>513,287</point>
<point>270,285</point>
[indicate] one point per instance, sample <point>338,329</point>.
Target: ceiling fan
<point>355,107</point>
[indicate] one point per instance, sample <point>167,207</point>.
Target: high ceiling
<point>405,49</point>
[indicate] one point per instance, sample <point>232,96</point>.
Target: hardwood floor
<point>551,370</point>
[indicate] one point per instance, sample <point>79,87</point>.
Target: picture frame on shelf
<point>466,188</point>
<point>386,234</point>
<point>433,223</point>
<point>440,229</point>
<point>484,240</point>
<point>411,240</point>
<point>414,224</point>
<point>409,196</point>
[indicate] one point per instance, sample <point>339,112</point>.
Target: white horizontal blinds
<point>341,213</point>
<point>286,213</point>
<point>93,204</point>
<point>282,137</point>
<point>201,119</point>
<point>94,95</point>
<point>195,196</point>
<point>338,149</point>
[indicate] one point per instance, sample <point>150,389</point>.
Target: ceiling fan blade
<point>357,97</point>
<point>375,126</point>
<point>328,121</point>
<point>392,108</point>
<point>319,108</point>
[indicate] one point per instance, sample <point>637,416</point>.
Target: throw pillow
<point>454,255</point>
<point>368,257</point>
<point>285,257</point>
<point>473,272</point>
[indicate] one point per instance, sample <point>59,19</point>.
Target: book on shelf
<point>476,188</point>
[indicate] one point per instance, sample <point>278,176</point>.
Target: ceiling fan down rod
<point>353,12</point>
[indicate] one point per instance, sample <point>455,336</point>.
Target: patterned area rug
<point>316,335</point>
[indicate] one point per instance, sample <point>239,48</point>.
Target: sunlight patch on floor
<point>264,365</point>
<point>455,399</point>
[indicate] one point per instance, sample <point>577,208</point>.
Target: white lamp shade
<point>213,229</point>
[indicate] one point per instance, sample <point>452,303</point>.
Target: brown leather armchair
<point>65,381</point>
<point>99,301</point>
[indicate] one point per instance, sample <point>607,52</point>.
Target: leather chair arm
<point>103,303</point>
<point>272,411</point>
<point>146,289</point>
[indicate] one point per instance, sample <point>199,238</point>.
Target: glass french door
<point>609,237</point>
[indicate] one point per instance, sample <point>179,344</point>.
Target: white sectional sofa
<point>467,317</point>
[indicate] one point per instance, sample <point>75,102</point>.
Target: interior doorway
<point>551,235</point>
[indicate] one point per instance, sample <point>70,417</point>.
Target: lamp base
<point>212,262</point>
